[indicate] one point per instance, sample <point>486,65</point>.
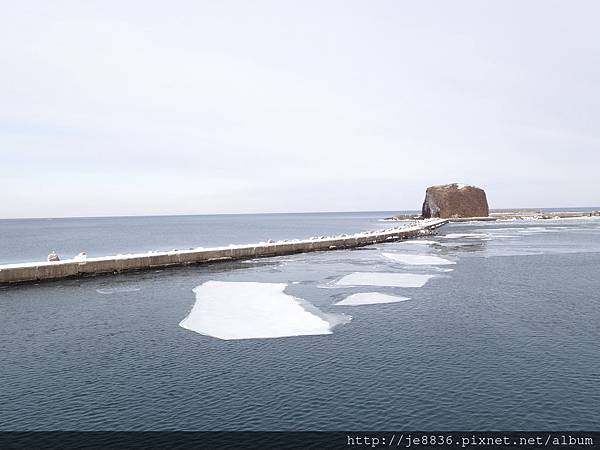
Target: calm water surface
<point>507,340</point>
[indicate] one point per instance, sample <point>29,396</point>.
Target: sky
<point>208,107</point>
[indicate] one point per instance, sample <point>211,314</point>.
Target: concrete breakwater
<point>70,268</point>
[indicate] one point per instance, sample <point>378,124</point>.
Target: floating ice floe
<point>502,229</point>
<point>248,310</point>
<point>455,244</point>
<point>370,298</point>
<point>532,230</point>
<point>464,235</point>
<point>418,260</point>
<point>384,279</point>
<point>419,241</point>
<point>108,291</point>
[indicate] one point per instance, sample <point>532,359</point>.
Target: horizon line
<point>523,208</point>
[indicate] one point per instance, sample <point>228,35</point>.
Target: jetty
<point>72,268</point>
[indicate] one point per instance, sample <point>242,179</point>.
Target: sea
<point>483,326</point>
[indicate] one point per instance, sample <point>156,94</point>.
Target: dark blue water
<point>24,240</point>
<point>507,340</point>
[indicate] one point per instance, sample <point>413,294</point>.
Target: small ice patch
<point>108,291</point>
<point>370,298</point>
<point>532,230</point>
<point>418,260</point>
<point>419,241</point>
<point>384,279</point>
<point>246,310</point>
<point>464,235</point>
<point>454,244</point>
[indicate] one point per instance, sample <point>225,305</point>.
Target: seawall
<point>71,268</point>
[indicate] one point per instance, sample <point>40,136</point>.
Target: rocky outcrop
<point>455,200</point>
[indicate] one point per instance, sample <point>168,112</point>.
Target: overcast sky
<point>127,107</point>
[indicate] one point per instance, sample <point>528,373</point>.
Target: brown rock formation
<point>455,200</point>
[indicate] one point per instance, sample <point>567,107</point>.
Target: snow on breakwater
<point>36,271</point>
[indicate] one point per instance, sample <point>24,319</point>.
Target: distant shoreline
<point>508,214</point>
<point>390,212</point>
